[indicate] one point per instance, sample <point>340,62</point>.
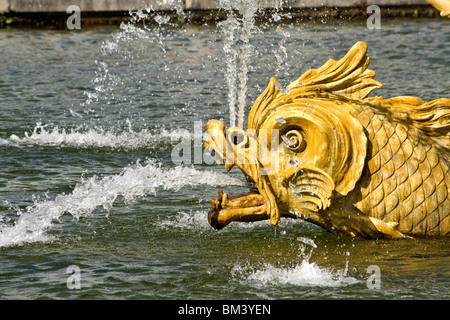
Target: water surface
<point>88,122</point>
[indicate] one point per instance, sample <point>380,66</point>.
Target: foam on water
<point>303,274</point>
<point>4,142</point>
<point>185,220</point>
<point>135,181</point>
<point>196,221</point>
<point>98,137</point>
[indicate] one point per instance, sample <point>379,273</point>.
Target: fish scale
<point>404,180</point>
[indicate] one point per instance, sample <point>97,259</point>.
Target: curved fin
<point>348,76</point>
<point>313,187</point>
<point>262,102</point>
<point>388,228</point>
<point>432,118</point>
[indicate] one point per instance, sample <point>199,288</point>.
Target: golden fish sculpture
<point>442,5</point>
<point>325,152</point>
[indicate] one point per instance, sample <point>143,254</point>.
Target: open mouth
<point>252,206</point>
<point>245,207</point>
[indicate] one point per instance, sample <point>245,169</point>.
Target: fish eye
<point>294,140</point>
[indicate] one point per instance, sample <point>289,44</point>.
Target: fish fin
<point>342,217</point>
<point>312,188</point>
<point>345,218</point>
<point>348,76</point>
<point>441,5</point>
<point>387,228</point>
<point>264,101</point>
<point>431,118</point>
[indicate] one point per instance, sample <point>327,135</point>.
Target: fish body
<point>406,177</point>
<point>324,151</point>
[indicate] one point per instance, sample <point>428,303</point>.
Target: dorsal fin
<point>264,100</point>
<point>348,76</point>
<point>432,118</point>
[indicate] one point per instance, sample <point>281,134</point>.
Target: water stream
<point>238,51</point>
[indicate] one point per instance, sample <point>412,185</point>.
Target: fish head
<point>303,146</point>
<point>301,155</point>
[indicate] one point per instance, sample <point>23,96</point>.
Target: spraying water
<point>231,55</point>
<point>35,220</point>
<point>83,137</point>
<point>301,274</point>
<point>237,32</point>
<point>135,181</point>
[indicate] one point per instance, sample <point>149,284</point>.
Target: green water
<point>88,121</point>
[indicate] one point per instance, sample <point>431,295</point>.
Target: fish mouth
<point>244,207</point>
<point>233,147</point>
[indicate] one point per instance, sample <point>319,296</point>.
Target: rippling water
<point>88,123</point>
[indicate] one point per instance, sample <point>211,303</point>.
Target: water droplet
<point>282,90</point>
<point>307,241</point>
<point>286,141</point>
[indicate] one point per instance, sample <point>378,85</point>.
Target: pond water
<point>88,122</point>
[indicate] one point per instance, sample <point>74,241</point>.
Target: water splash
<point>281,53</point>
<point>97,137</point>
<point>137,37</point>
<point>194,221</point>
<point>135,181</point>
<point>307,241</point>
<point>303,273</point>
